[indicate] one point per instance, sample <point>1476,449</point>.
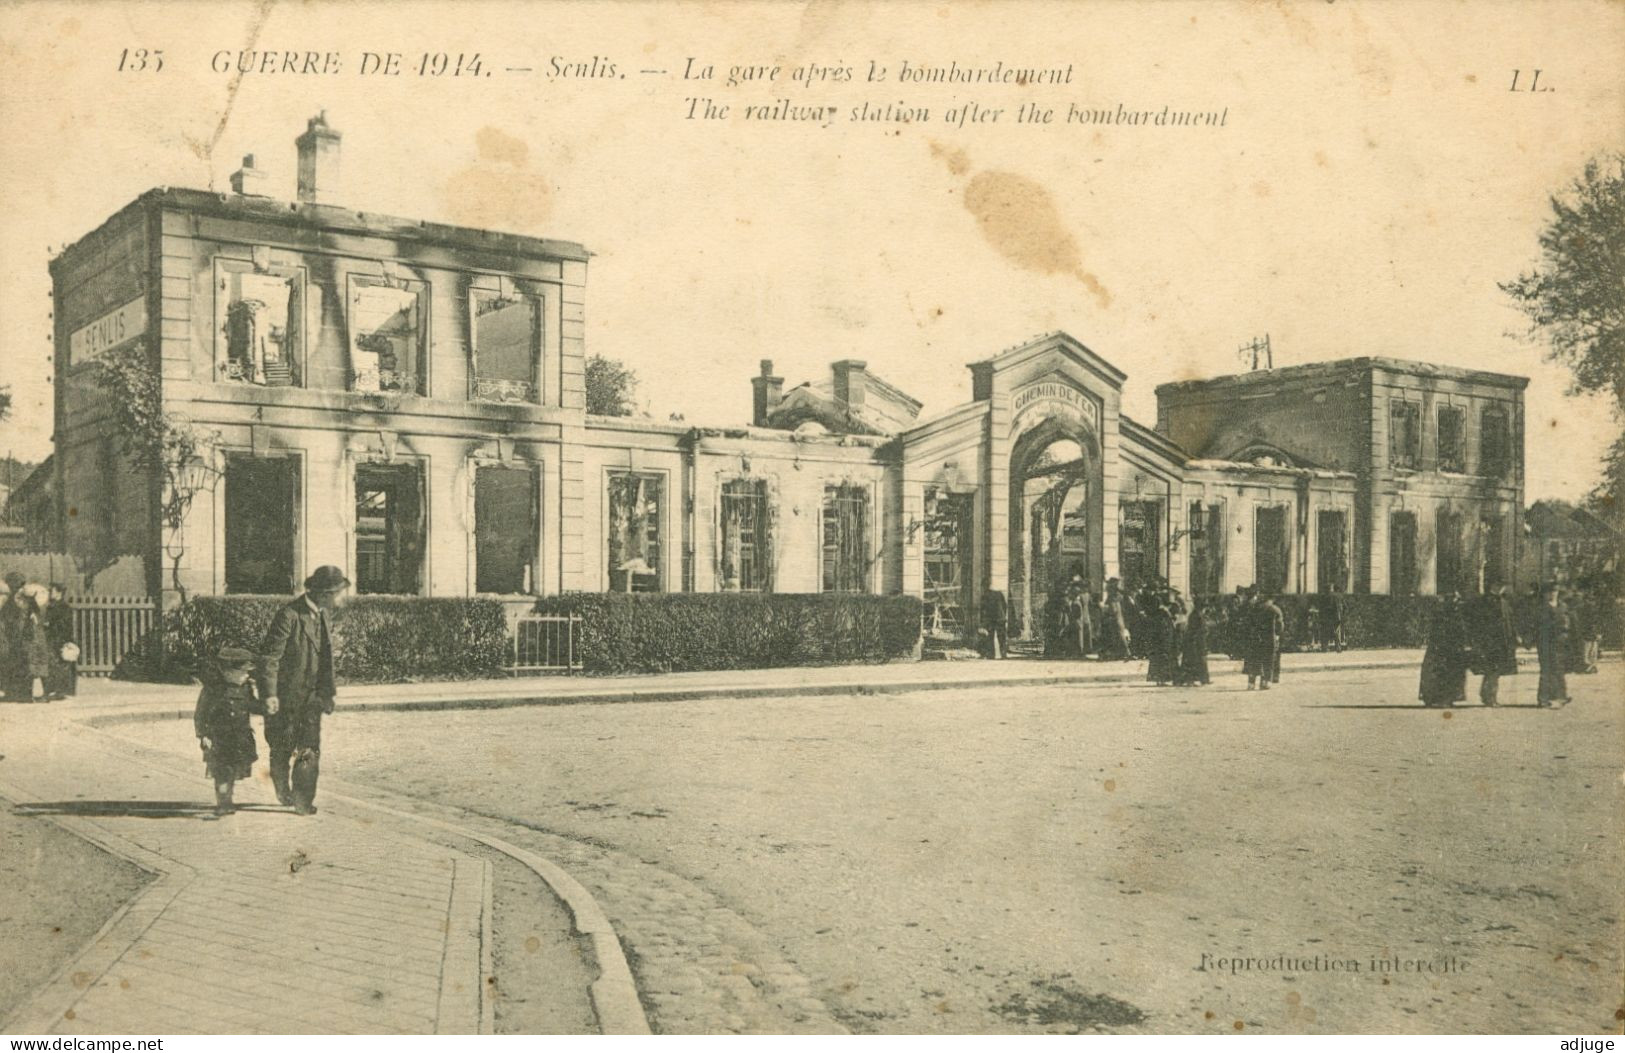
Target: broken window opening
<point>1206,548</point>
<point>261,326</point>
<point>1452,440</point>
<point>1332,556</point>
<point>506,531</point>
<point>1271,558</point>
<point>1404,434</point>
<point>1449,565</point>
<point>1402,575</point>
<point>390,528</point>
<point>746,538</point>
<point>262,524</point>
<point>386,326</point>
<point>1139,543</point>
<point>949,546</point>
<point>506,347</point>
<point>1494,443</point>
<point>636,512</point>
<point>846,538</point>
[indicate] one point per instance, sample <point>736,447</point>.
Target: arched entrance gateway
<point>1055,517</point>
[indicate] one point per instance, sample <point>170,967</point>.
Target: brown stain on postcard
<point>501,189</point>
<point>1018,218</point>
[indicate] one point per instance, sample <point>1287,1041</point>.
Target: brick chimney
<point>766,391</point>
<point>851,383</point>
<point>318,162</point>
<point>248,179</point>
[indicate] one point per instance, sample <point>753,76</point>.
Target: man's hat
<point>326,579</point>
<point>233,656</point>
<point>15,581</point>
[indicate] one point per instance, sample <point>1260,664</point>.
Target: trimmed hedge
<point>1399,621</point>
<point>376,639</point>
<point>680,632</point>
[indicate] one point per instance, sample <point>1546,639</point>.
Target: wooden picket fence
<point>106,628</point>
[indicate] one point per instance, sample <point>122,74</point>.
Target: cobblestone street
<point>1060,858</point>
<point>1063,858</point>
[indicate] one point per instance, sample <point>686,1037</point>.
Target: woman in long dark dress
<point>1159,628</point>
<point>1552,627</point>
<point>1444,664</point>
<point>62,680</point>
<point>1193,659</point>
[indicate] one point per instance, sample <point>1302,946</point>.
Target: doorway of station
<point>949,550</point>
<point>1054,523</point>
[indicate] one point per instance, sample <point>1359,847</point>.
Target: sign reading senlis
<point>96,338</point>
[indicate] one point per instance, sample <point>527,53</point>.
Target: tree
<point>158,442</point>
<point>5,402</point>
<point>610,387</point>
<point>1575,298</point>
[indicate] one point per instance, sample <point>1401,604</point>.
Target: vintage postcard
<point>827,517</point>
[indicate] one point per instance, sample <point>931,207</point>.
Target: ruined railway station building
<point>407,399</point>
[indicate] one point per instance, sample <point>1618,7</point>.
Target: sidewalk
<point>112,701</point>
<point>255,923</point>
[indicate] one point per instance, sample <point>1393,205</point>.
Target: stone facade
<point>407,400</point>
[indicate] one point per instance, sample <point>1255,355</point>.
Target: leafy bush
<point>376,639</point>
<point>672,632</point>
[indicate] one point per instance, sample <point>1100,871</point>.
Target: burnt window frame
<point>425,523</point>
<point>1406,457</point>
<point>658,523</point>
<point>1285,549</point>
<point>1494,464</point>
<point>1458,464</point>
<point>763,543</point>
<point>850,495</point>
<point>425,326</point>
<point>227,367</point>
<point>1205,528</point>
<point>509,289</point>
<point>295,461</point>
<point>1411,580</point>
<point>1450,551</point>
<point>534,548</point>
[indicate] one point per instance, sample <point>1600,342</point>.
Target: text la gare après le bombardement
<point>959,92</point>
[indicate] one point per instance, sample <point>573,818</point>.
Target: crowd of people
<point>1174,635</point>
<point>1482,635</point>
<point>39,659</point>
<point>1158,624</point>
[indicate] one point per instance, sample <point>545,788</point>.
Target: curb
<point>746,691</point>
<point>45,1008</point>
<point>614,994</point>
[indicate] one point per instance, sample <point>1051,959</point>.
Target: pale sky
<point>1374,179</point>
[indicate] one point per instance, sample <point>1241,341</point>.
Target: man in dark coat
<point>296,682</point>
<point>1552,627</point>
<point>996,620</point>
<point>1271,627</point>
<point>1331,619</point>
<point>1493,640</point>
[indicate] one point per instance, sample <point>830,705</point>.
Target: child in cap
<point>221,722</point>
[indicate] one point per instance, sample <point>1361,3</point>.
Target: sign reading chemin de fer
<point>1054,395</point>
<point>96,338</point>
